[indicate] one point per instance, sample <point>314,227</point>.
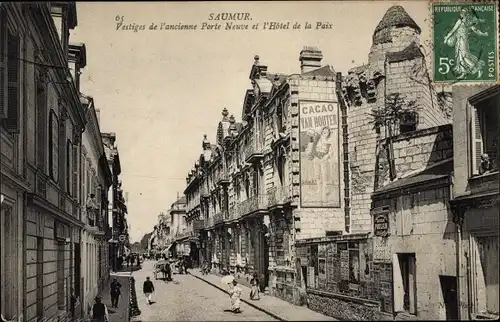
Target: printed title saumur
<point>229,16</point>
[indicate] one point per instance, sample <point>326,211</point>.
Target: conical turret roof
<point>396,16</point>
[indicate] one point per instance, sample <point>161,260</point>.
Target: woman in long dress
<point>254,292</point>
<point>235,295</point>
<point>466,63</point>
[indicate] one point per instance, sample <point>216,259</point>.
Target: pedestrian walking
<point>148,289</point>
<point>235,295</point>
<point>99,312</point>
<point>115,292</point>
<point>254,291</point>
<point>185,263</point>
<point>73,301</point>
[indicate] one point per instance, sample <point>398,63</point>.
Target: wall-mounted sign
<point>381,225</point>
<point>121,238</point>
<point>319,154</point>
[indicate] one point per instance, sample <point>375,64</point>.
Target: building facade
<point>42,125</point>
<point>117,208</point>
<point>476,199</point>
<point>293,191</point>
<point>96,181</point>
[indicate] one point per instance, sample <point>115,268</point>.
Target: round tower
<point>393,33</point>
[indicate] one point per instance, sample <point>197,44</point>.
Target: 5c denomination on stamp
<point>465,37</point>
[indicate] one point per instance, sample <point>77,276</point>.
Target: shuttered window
<point>13,78</point>
<point>74,170</point>
<point>69,167</point>
<point>53,142</point>
<point>477,140</point>
<point>41,125</point>
<point>10,76</point>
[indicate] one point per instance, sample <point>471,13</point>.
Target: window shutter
<point>69,167</point>
<point>83,193</point>
<point>74,170</point>
<point>3,60</point>
<point>477,140</point>
<point>13,59</point>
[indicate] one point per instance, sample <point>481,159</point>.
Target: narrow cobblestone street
<point>188,299</point>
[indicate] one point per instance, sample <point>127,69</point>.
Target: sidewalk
<point>271,305</point>
<point>120,314</point>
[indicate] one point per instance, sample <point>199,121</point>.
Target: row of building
<point>62,206</point>
<point>371,195</point>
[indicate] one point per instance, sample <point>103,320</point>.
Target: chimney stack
<point>310,59</point>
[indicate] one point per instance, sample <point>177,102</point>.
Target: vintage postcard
<point>249,161</point>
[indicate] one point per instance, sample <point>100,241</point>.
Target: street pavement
<point>276,307</point>
<point>188,298</point>
<point>121,313</point>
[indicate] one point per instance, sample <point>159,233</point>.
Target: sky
<point>160,91</point>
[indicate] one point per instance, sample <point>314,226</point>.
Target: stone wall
<point>313,222</point>
<point>414,151</point>
<point>421,223</point>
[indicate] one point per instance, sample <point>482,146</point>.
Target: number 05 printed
<point>465,42</point>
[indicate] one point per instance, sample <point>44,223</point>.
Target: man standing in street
<point>99,311</point>
<point>115,292</point>
<point>148,290</point>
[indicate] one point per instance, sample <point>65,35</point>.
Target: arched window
<point>54,146</point>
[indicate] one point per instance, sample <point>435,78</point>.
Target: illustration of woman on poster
<point>319,152</point>
<point>465,62</point>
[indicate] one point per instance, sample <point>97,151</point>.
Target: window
<point>74,171</point>
<point>485,274</point>
<point>69,167</point>
<point>484,132</point>
<point>404,276</point>
<point>41,124</point>
<point>54,146</point>
<point>10,53</point>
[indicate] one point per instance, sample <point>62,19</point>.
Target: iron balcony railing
<point>254,150</point>
<point>222,177</point>
<point>278,196</point>
<point>184,234</point>
<point>253,204</point>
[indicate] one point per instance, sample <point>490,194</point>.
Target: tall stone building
<point>476,199</point>
<point>96,181</point>
<point>117,208</point>
<point>42,125</point>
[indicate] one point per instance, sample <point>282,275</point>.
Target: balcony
<point>184,235</point>
<point>278,197</point>
<point>254,204</point>
<point>254,152</point>
<point>204,192</point>
<point>220,217</point>
<point>222,178</point>
<point>235,212</point>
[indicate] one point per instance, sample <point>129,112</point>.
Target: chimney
<point>310,59</point>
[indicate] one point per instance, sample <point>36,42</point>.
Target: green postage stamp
<point>465,40</point>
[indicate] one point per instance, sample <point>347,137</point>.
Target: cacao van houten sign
<point>381,223</point>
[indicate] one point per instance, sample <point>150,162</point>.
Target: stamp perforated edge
<point>431,41</point>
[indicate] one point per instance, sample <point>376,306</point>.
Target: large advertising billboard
<point>319,154</point>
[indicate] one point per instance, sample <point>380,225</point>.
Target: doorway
<point>449,290</point>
